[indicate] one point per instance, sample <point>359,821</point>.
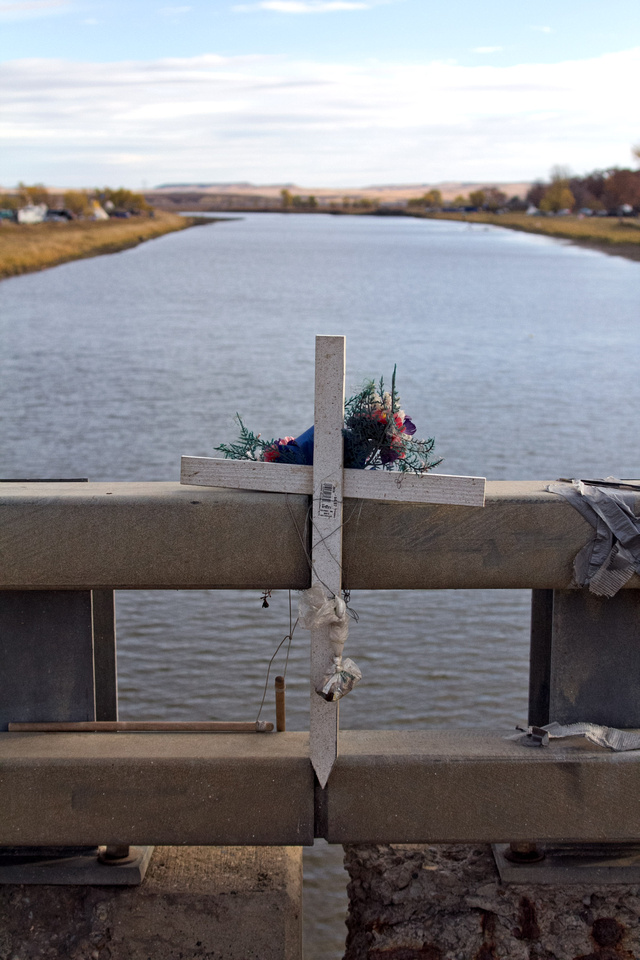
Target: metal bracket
<point>589,863</point>
<point>92,866</point>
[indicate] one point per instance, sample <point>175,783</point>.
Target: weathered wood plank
<point>410,488</point>
<point>326,536</point>
<point>246,475</point>
<point>146,726</point>
<point>358,484</point>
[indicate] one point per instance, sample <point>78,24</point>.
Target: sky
<point>314,92</point>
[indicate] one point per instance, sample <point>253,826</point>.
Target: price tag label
<point>328,506</point>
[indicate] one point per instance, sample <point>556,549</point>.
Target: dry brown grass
<point>25,248</point>
<point>606,233</point>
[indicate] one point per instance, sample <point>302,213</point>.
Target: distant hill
<point>381,192</point>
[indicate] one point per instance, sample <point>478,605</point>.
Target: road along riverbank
<point>26,248</point>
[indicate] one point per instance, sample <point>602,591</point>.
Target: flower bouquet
<point>378,435</point>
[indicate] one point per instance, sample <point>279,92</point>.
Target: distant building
<point>98,212</point>
<point>32,213</point>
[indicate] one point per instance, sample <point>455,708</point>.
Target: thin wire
<point>357,508</point>
<point>291,629</point>
<point>300,536</point>
<point>286,659</point>
<point>289,637</point>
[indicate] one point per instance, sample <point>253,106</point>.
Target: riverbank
<point>606,234</point>
<point>28,248</point>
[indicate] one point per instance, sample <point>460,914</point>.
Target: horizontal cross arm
<point>358,484</point>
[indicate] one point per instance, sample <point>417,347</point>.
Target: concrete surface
<point>225,903</point>
<point>155,788</point>
<point>447,903</point>
<point>445,786</point>
<point>162,535</point>
<point>167,535</point>
<point>386,787</point>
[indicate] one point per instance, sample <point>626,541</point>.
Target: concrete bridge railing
<point>65,547</point>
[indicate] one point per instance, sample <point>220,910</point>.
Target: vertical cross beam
<point>326,542</point>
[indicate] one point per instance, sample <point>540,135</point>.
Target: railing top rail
<point>164,535</point>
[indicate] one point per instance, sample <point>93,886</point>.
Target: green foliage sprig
<point>248,446</point>
<point>378,435</point>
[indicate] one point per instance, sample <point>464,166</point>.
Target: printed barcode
<point>328,501</point>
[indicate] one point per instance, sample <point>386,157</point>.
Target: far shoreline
<point>603,235</point>
<point>599,234</point>
<point>35,247</point>
<point>32,248</point>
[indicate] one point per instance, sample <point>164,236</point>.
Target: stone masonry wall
<point>419,902</point>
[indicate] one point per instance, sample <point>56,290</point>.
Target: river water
<point>518,353</point>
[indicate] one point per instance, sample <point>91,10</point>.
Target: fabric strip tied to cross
<point>612,556</point>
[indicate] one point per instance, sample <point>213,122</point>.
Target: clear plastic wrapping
<point>340,681</point>
<point>316,609</point>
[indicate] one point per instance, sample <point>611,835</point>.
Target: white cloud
<point>304,6</point>
<point>28,9</point>
<point>542,29</point>
<point>270,119</point>
<point>487,49</point>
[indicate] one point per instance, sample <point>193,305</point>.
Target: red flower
<point>273,451</point>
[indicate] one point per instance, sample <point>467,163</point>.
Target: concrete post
<point>46,656</point>
<point>595,658</point>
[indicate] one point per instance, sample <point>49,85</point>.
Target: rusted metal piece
<point>524,853</point>
<point>281,718</point>
<point>145,726</point>
<point>534,737</point>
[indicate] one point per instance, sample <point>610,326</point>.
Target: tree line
<point>79,203</point>
<point>615,191</point>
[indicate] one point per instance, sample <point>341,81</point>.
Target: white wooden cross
<point>328,483</point>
